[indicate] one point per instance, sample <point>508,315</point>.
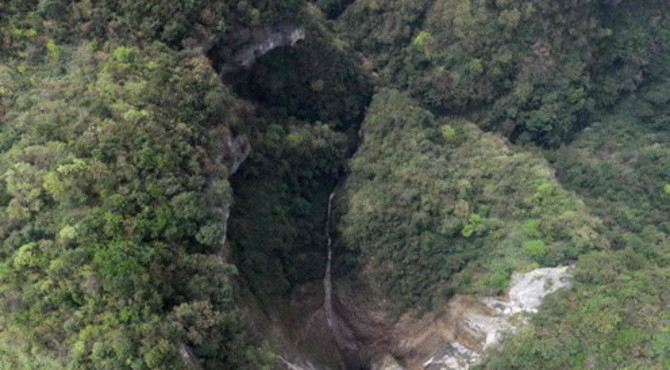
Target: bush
<point>536,249</point>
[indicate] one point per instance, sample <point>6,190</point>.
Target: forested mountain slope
<point>617,314</point>
<point>114,181</point>
<point>535,70</point>
<point>430,198</point>
<point>462,140</point>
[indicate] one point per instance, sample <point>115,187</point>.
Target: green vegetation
<point>534,70</point>
<point>621,165</point>
<point>277,224</point>
<point>503,135</point>
<point>613,316</point>
<point>112,182</point>
<point>313,81</point>
<point>109,235</point>
<point>615,313</point>
<point>175,23</point>
<point>113,179</point>
<point>429,199</point>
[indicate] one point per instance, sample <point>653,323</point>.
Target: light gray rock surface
<point>506,315</point>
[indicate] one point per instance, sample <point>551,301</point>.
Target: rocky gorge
<point>328,325</point>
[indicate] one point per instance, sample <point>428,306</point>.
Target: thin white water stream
<point>340,330</point>
<point>327,278</point>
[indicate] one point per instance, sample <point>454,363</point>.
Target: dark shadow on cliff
<point>312,81</point>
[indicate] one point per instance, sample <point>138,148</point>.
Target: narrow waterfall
<point>341,331</point>
<point>327,278</point>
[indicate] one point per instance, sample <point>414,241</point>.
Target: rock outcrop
<point>263,42</point>
<point>470,325</point>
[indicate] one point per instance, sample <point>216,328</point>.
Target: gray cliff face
<point>263,42</point>
<point>459,340</point>
<point>189,357</point>
<point>236,150</point>
<point>457,336</point>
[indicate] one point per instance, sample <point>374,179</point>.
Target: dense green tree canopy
<point>465,139</point>
<point>111,175</point>
<point>535,70</point>
<point>430,198</point>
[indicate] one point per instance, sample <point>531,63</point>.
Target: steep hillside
<point>115,149</point>
<point>322,184</point>
<point>430,198</point>
<point>617,313</point>
<point>113,178</point>
<point>534,70</point>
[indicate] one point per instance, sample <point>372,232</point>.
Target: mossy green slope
<point>615,316</point>
<point>437,205</point>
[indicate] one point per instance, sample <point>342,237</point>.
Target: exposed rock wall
<point>235,150</point>
<point>458,338</point>
<point>263,42</point>
<point>455,337</point>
